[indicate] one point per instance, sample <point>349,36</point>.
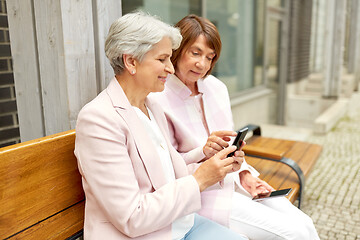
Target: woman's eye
<point>195,53</point>
<point>162,60</point>
<point>209,58</point>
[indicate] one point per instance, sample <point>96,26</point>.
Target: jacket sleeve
<point>193,156</point>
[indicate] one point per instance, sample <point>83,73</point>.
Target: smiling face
<point>152,71</point>
<point>195,62</point>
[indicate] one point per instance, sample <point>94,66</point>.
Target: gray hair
<point>135,34</point>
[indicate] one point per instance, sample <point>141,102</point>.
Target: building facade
<point>284,62</point>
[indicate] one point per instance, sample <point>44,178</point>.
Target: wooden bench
<point>41,195</point>
<point>281,163</point>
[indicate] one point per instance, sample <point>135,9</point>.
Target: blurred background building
<point>293,63</point>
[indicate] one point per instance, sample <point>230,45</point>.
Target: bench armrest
<point>277,156</point>
<point>263,152</point>
<point>253,128</point>
<point>274,155</point>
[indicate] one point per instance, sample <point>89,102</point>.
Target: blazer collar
<point>143,142</point>
<point>176,85</point>
<point>117,95</point>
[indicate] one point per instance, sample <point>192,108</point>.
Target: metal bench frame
<point>287,161</point>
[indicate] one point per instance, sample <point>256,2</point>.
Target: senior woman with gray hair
<point>135,182</point>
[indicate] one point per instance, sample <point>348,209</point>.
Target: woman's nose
<point>169,68</point>
<point>200,63</point>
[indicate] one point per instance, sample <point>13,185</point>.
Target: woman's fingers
<point>219,139</point>
<point>216,168</point>
<point>217,142</point>
<point>231,164</point>
<point>224,152</point>
<point>224,133</point>
<point>215,146</point>
<point>239,153</point>
<point>222,137</point>
<point>236,166</point>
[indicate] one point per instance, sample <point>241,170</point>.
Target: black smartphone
<point>278,193</point>
<point>238,140</point>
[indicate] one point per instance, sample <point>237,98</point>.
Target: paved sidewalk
<point>332,192</point>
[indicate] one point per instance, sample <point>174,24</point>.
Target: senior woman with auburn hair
<point>136,184</point>
<point>197,107</point>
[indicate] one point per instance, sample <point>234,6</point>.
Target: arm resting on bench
<point>274,155</point>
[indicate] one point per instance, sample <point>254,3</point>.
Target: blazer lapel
<point>143,142</point>
<point>178,162</point>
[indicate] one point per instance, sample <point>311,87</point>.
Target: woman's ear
<point>129,63</point>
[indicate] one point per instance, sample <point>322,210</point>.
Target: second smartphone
<point>278,193</point>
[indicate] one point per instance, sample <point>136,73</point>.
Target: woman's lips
<point>196,73</point>
<point>162,79</point>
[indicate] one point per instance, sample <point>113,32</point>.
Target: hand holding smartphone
<point>278,193</point>
<point>238,140</point>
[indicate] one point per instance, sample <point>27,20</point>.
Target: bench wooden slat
<point>276,174</point>
<point>38,178</point>
<point>307,161</point>
<point>63,224</point>
<point>265,168</point>
<point>263,152</point>
<point>295,152</point>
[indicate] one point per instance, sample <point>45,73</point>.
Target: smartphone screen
<point>238,140</point>
<point>278,193</point>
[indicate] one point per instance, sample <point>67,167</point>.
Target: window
<point>170,11</point>
<point>241,26</point>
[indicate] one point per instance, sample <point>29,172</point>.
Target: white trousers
<point>270,219</point>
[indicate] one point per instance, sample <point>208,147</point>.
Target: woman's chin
<point>159,88</point>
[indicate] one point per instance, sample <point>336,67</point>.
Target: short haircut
<point>191,27</point>
<point>135,34</point>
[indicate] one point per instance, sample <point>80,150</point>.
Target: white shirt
<point>181,225</point>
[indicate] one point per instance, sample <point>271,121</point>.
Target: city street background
<point>332,190</point>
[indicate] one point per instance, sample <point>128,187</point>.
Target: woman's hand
<point>254,185</point>
<point>239,155</point>
<point>215,169</point>
<point>216,142</point>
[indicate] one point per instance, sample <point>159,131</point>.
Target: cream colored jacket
<point>127,195</point>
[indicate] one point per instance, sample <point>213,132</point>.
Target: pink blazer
<point>188,134</point>
<point>127,195</point>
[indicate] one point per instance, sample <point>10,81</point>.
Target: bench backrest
<point>41,195</point>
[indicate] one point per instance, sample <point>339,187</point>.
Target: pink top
<point>188,134</point>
